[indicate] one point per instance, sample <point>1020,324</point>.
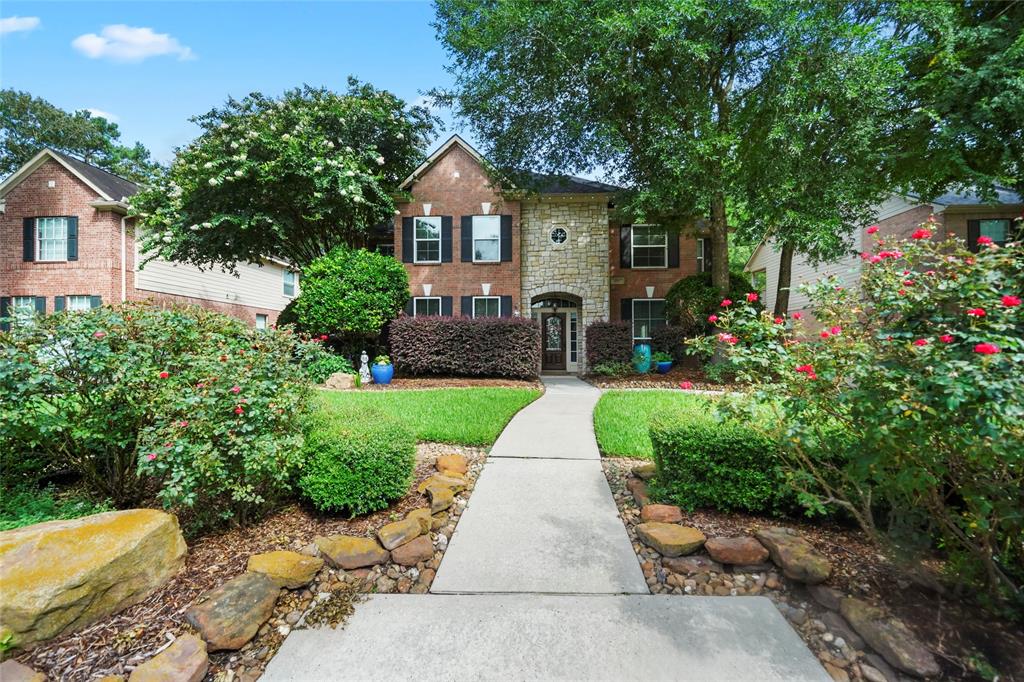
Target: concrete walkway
<point>540,582</point>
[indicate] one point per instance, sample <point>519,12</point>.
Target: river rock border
<point>853,639</point>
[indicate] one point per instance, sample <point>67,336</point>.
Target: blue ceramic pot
<point>642,358</point>
<point>382,374</point>
<point>664,367</point>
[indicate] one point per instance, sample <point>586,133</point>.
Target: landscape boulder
<point>349,551</point>
<point>185,660</point>
<point>645,471</point>
<point>60,576</point>
<point>890,638</point>
<point>452,464</point>
<point>12,671</point>
<point>794,555</point>
<point>689,565</point>
<point>422,515</point>
<point>456,483</point>
<point>340,381</point>
<point>664,513</point>
<point>398,533</point>
<point>744,550</point>
<point>232,613</point>
<point>638,489</point>
<point>413,552</point>
<point>441,498</point>
<point>287,569</point>
<point>669,539</point>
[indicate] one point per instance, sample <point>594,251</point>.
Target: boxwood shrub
<point>609,343</point>
<point>357,461</point>
<point>483,347</point>
<point>723,464</point>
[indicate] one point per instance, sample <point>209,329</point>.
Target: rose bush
<point>906,409</point>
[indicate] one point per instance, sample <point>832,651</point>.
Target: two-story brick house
<point>67,243</point>
<point>555,253</point>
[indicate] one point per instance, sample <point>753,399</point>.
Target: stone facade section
<point>578,266</point>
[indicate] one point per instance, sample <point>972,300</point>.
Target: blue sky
<point>97,55</point>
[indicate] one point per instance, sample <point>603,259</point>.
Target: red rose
<point>921,342</point>
<point>976,312</point>
<point>946,338</point>
<point>921,233</point>
<point>873,229</point>
<point>808,370</point>
<point>236,389</point>
<point>984,240</point>
<point>908,282</point>
<point>986,348</point>
<point>323,337</point>
<point>183,424</point>
<point>99,335</point>
<point>239,410</point>
<point>686,385</point>
<point>797,316</point>
<point>726,303</point>
<point>876,259</point>
<point>835,330</point>
<point>164,375</point>
<point>712,318</point>
<point>151,456</point>
<point>1011,301</point>
<point>751,297</point>
<point>779,320</point>
<point>902,292</point>
<point>825,334</point>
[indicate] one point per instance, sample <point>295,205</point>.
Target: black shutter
<point>466,246</point>
<point>41,305</point>
<point>466,306</point>
<point>410,308</point>
<point>506,239</point>
<point>28,239</point>
<point>626,309</point>
<point>973,232</point>
<point>446,306</point>
<point>95,301</point>
<point>72,238</point>
<point>58,304</point>
<point>407,235</point>
<point>446,239</point>
<point>506,306</point>
<point>673,249</point>
<point>5,304</point>
<point>625,252</point>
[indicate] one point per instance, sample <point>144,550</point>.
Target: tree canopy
<point>292,177</point>
<point>29,124</point>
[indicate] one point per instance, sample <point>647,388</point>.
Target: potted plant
<point>663,361</point>
<point>382,370</point>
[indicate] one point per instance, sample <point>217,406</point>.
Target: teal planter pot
<point>382,374</point>
<point>664,367</point>
<point>642,358</point>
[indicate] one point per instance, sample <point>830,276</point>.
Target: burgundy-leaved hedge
<point>465,346</point>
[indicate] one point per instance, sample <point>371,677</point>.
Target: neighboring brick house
<point>965,216</point>
<point>66,243</point>
<point>553,253</point>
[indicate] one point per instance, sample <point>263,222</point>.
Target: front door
<point>553,331</point>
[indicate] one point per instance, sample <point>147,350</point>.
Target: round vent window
<point>559,235</point>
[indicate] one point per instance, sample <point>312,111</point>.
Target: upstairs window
<point>289,283</point>
<point>486,238</point>
<point>426,306</point>
<point>648,315</point>
<point>51,239</point>
<point>649,245</point>
<point>486,306</point>
<point>427,242</point>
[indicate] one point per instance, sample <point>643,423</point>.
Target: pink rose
<point>686,385</point>
<point>726,303</point>
<point>986,348</point>
<point>751,297</point>
<point>921,342</point>
<point>946,338</point>
<point>1011,301</point>
<point>151,456</point>
<point>797,316</point>
<point>99,335</point>
<point>236,389</point>
<point>712,318</point>
<point>873,229</point>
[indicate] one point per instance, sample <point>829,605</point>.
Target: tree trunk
<point>785,280</point>
<point>719,244</point>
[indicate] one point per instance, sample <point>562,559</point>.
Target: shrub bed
<point>357,460</point>
<point>464,346</point>
<point>692,299</point>
<point>670,339</point>
<point>609,343</point>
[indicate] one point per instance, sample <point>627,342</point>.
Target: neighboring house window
<point>289,283</point>
<point>703,255</point>
<point>79,303</point>
<point>261,321</point>
<point>386,249</point>
<point>23,308</point>
<point>996,230</point>
<point>51,239</point>
<point>486,238</point>
<point>648,315</point>
<point>427,242</point>
<point>425,306</point>
<point>649,245</point>
<point>486,306</point>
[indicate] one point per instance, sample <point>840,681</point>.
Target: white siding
<point>892,206</point>
<point>766,258</point>
<point>256,286</point>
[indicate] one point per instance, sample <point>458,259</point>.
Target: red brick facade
<point>633,282</point>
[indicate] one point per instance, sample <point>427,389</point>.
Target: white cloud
<point>99,113</point>
<point>130,44</point>
<point>14,24</point>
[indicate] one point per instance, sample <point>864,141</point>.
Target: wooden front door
<point>553,339</point>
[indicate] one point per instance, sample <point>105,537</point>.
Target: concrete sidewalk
<point>558,425</point>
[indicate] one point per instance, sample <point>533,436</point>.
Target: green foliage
<point>319,366</point>
<point>705,461</point>
<point>670,339</point>
<point>121,393</point>
<point>661,356</point>
<point>622,418</point>
<point>352,292</point>
<point>723,372</point>
<point>611,369</point>
<point>382,360</point>
<point>692,299</point>
<point>29,124</point>
<point>294,176</point>
<point>357,461</point>
<point>463,416</point>
<point>24,506</point>
<point>907,411</point>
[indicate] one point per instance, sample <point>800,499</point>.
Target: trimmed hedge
<point>357,461</point>
<point>669,339</point>
<point>719,464</point>
<point>609,342</point>
<point>480,347</point>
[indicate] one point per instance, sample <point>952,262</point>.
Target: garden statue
<point>364,369</point>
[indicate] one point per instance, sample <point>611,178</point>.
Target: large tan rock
<point>441,498</point>
<point>423,516</point>
<point>663,513</point>
<point>349,552</point>
<point>742,551</point>
<point>340,381</point>
<point>398,533</point>
<point>453,464</point>
<point>183,661</point>
<point>12,671</point>
<point>670,539</point>
<point>231,614</point>
<point>890,638</point>
<point>794,555</point>
<point>456,483</point>
<point>411,553</point>
<point>288,569</point>
<point>60,576</point>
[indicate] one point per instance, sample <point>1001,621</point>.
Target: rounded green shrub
<point>692,299</point>
<point>357,461</point>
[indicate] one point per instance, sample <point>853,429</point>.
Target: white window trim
<point>69,308</point>
<point>633,247</point>
<point>38,240</point>
<point>632,318</point>
<point>416,240</point>
<point>487,298</point>
<point>701,242</point>
<point>265,319</point>
<point>475,239</point>
<point>294,283</point>
<point>415,299</point>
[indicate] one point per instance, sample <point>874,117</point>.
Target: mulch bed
<point>118,643</point>
<point>672,379</point>
<point>958,631</point>
<point>412,383</point>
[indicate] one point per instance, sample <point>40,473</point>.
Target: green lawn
<point>621,418</point>
<point>462,416</point>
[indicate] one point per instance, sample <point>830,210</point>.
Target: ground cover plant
<point>464,416</point>
<point>622,419</point>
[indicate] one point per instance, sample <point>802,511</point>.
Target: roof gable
<point>428,163</point>
<point>107,186</point>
